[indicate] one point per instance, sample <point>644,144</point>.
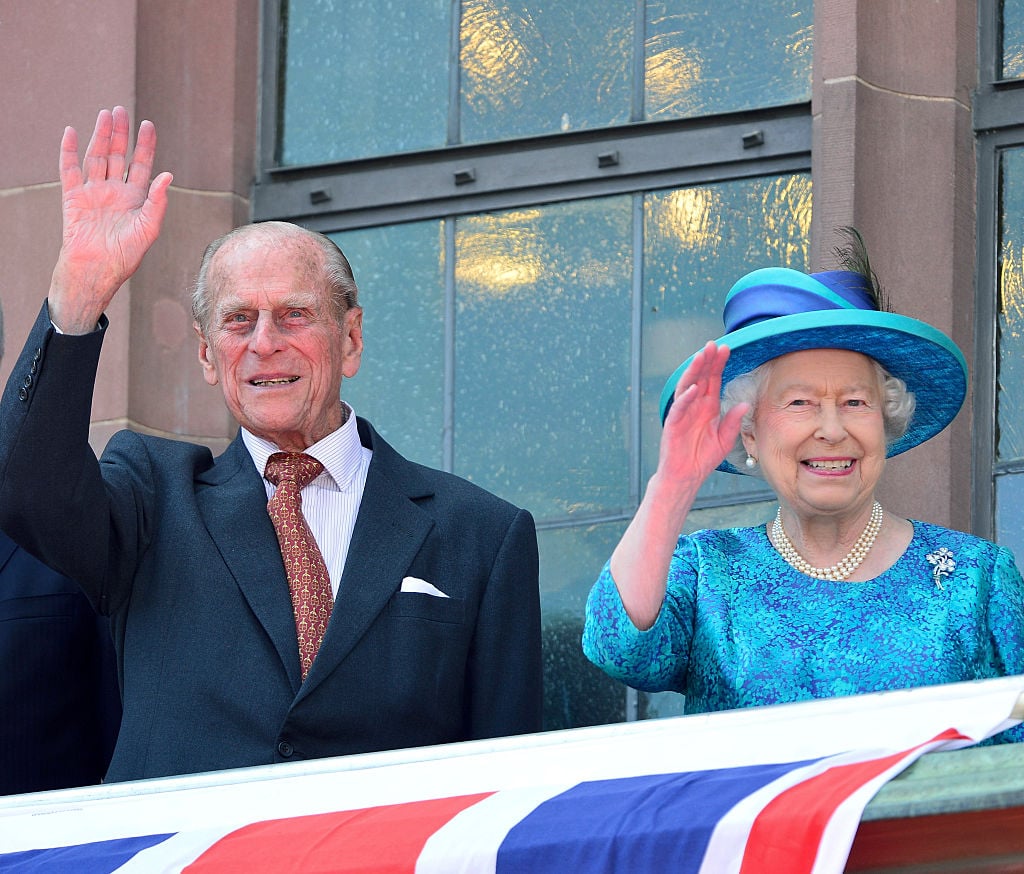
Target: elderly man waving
<point>309,592</point>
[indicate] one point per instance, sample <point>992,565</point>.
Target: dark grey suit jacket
<point>59,702</point>
<point>177,548</point>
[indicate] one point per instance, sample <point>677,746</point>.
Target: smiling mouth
<point>286,380</point>
<point>844,464</point>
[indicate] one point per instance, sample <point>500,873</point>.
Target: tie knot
<point>294,467</point>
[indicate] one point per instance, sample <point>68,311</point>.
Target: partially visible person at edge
<point>414,618</point>
<point>59,702</point>
<point>812,387</point>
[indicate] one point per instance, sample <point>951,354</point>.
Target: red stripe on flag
<point>386,839</point>
<point>786,834</point>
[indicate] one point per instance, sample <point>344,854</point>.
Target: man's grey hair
<point>897,406</point>
<point>333,267</point>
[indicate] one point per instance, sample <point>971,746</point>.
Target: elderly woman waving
<point>836,595</point>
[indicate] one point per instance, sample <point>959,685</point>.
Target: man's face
<point>273,342</point>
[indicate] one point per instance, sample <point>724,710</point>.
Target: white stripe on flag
<point>837,839</point>
<point>733,830</point>
<point>174,854</point>
<point>468,843</point>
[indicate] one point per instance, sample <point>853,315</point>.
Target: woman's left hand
<point>695,439</point>
<point>696,436</point>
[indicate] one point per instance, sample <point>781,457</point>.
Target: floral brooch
<point>942,564</point>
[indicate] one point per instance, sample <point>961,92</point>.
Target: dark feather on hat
<point>853,256</point>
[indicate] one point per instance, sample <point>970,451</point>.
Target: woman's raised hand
<point>696,436</point>
<point>695,439</point>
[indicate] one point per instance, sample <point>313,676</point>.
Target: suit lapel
<point>7,547</point>
<point>233,502</point>
<point>388,534</point>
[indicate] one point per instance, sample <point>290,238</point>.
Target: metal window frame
<point>472,179</point>
<point>998,121</point>
<point>462,179</point>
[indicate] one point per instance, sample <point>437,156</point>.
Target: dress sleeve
<point>1006,613</point>
<point>654,660</point>
<point>1006,624</point>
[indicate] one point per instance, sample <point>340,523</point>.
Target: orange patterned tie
<point>303,563</point>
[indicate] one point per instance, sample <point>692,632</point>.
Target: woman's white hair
<point>897,406</point>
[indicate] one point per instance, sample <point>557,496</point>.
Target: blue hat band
<point>772,292</point>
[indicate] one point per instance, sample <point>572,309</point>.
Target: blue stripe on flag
<point>653,823</point>
<point>102,857</point>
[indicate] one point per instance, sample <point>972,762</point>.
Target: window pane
<point>1013,39</point>
<point>541,67</point>
<point>542,356</point>
<point>698,242</point>
<point>575,692</point>
<point>362,78</point>
<point>400,384</point>
<point>730,55</point>
<point>1010,359</point>
<point>1010,513</point>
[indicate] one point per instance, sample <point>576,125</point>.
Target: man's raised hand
<point>111,218</point>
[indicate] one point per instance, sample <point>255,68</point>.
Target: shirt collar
<point>340,453</point>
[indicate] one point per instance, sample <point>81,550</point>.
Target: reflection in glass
<point>542,350</point>
<point>362,78</point>
<point>400,385</point>
<point>1010,513</point>
<point>1010,326</point>
<point>1013,39</point>
<point>697,242</point>
<point>531,68</point>
<point>726,56</point>
<point>575,692</point>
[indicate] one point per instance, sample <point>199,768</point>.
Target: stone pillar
<point>197,77</point>
<point>893,155</point>
<point>57,70</point>
<point>193,69</point>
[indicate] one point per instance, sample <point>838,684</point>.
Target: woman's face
<point>818,432</point>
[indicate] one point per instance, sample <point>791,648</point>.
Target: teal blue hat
<point>774,311</point>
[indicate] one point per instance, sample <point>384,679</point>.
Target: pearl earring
<point>751,462</point>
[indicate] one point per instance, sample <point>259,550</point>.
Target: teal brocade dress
<point>739,627</point>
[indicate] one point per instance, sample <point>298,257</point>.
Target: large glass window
<point>1010,354</point>
<point>361,79</point>
<point>1012,39</point>
<point>400,384</point>
<point>544,205</point>
<point>998,368</point>
<point>542,355</point>
<point>530,68</point>
<point>704,58</point>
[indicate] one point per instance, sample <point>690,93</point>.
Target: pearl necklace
<point>841,570</point>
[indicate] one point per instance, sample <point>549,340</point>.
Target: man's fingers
<point>70,172</point>
<point>118,144</point>
<point>141,167</point>
<point>156,203</point>
<point>94,167</point>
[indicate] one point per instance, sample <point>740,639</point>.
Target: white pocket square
<point>415,584</point>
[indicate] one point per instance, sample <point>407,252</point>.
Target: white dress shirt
<point>331,502</point>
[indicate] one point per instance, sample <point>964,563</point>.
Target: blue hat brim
<point>929,362</point>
